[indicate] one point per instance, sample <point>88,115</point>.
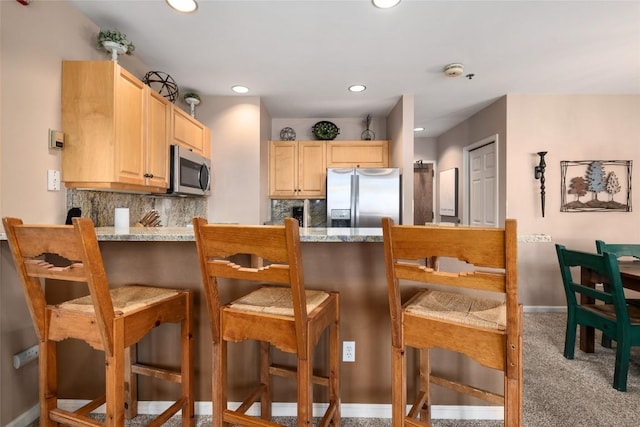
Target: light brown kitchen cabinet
<point>357,154</point>
<point>190,133</point>
<point>116,129</point>
<point>297,170</point>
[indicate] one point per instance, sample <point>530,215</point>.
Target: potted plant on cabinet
<point>192,99</point>
<point>116,42</point>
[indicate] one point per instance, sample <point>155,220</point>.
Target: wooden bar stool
<point>486,329</point>
<point>285,316</point>
<point>109,320</point>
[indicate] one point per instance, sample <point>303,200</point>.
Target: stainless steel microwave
<point>190,173</point>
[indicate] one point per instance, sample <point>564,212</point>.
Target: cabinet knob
<point>148,175</point>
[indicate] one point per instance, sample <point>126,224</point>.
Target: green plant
<point>117,37</point>
<point>191,95</point>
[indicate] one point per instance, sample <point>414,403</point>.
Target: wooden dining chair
<point>279,313</point>
<point>609,311</point>
<point>108,320</point>
<point>452,315</point>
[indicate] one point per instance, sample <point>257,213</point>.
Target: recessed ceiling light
<point>418,129</point>
<point>357,88</point>
<point>183,5</point>
<point>239,89</point>
<point>385,4</point>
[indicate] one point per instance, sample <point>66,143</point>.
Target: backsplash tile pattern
<point>100,207</point>
<point>281,209</point>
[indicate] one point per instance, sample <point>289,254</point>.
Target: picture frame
<point>603,185</point>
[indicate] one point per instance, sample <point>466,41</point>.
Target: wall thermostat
<point>56,139</point>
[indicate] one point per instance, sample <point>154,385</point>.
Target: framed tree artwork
<point>596,186</point>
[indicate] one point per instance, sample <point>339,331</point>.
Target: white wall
<point>425,149</point>
<point>235,157</point>
<point>400,129</point>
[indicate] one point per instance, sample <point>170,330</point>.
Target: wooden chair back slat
<point>482,247</point>
<point>266,242</point>
<point>479,280</point>
<point>275,273</point>
<point>36,240</point>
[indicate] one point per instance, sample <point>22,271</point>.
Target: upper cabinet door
<point>357,154</point>
<point>312,169</point>
<point>297,170</point>
<point>130,128</point>
<point>189,133</point>
<point>159,131</point>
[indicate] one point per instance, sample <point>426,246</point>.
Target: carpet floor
<point>557,392</point>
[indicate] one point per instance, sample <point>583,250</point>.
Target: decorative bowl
<point>325,130</point>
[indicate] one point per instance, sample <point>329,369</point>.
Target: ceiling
<point>300,56</point>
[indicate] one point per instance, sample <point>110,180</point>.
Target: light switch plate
<point>56,139</point>
<point>53,180</point>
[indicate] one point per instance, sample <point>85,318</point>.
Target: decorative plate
<point>325,130</point>
<point>288,134</point>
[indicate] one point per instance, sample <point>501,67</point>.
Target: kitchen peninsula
<point>347,260</point>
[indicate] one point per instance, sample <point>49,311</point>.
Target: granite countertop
<point>177,234</point>
<point>185,234</point>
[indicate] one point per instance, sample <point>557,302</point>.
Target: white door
<point>482,186</point>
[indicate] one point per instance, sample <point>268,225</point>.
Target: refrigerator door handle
<point>355,214</point>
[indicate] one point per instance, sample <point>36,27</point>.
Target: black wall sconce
<point>539,174</point>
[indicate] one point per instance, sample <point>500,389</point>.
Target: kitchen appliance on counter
<point>361,197</point>
<point>190,173</point>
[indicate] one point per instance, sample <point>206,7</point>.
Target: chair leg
<point>130,383</point>
<point>219,383</point>
<point>114,378</point>
<point>424,384</point>
<point>570,335</point>
<point>334,369</point>
<point>305,390</point>
<point>265,379</point>
<point>513,387</point>
<point>186,363</point>
<point>47,363</point>
<point>398,386</point>
<point>621,370</point>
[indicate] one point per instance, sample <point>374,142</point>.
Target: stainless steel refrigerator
<point>361,197</point>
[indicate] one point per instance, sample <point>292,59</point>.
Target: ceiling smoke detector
<point>453,70</point>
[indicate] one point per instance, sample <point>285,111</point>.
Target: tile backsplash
<point>281,209</point>
<point>100,207</point>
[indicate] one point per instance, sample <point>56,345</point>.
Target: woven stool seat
<point>465,309</point>
<point>277,300</point>
<point>125,299</point>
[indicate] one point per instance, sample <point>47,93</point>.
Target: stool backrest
<point>64,253</point>
<point>412,251</point>
<point>220,247</point>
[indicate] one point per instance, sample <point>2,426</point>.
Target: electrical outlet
<point>25,356</point>
<point>348,351</point>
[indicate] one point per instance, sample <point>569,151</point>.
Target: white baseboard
<point>347,410</point>
<point>26,418</point>
<point>545,309</point>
